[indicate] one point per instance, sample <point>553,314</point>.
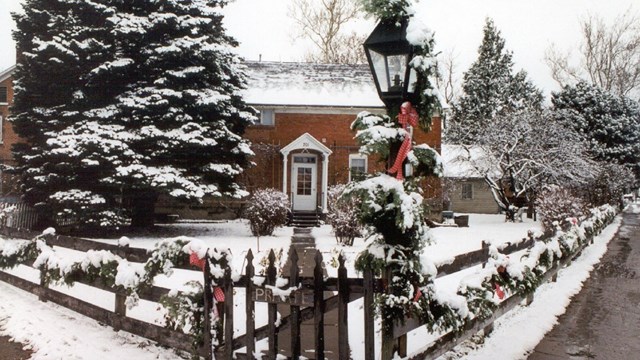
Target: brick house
<point>303,142</point>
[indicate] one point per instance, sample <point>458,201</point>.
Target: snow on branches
<point>108,107</point>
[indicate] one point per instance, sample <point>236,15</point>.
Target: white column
<point>285,161</point>
<point>325,180</point>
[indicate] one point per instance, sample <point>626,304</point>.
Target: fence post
<point>343,312</point>
<point>386,352</point>
<point>369,341</point>
<point>318,305</point>
<point>120,309</point>
<point>250,307</point>
<point>485,247</point>
<point>208,305</point>
<point>228,313</point>
<point>272,309</point>
<point>295,310</point>
<point>43,276</point>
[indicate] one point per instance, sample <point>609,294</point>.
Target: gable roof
<point>310,84</point>
<point>306,141</point>
<point>6,73</point>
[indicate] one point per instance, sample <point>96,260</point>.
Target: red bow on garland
<point>195,260</point>
<point>408,117</point>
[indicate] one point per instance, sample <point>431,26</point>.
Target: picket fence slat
<point>272,309</point>
<point>294,272</point>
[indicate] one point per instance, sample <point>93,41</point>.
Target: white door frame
<point>306,143</point>
<point>306,197</point>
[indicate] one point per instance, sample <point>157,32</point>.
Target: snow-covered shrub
<point>610,185</point>
<point>343,215</point>
<point>556,204</point>
<point>267,209</point>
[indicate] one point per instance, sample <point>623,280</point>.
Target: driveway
<point>603,320</point>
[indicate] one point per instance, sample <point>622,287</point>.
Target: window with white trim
<point>467,191</point>
<point>266,117</point>
<point>357,167</point>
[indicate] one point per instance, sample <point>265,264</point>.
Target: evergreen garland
<point>185,309</point>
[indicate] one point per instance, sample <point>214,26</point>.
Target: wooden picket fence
<point>315,297</point>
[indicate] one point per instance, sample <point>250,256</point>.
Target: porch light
<point>389,53</point>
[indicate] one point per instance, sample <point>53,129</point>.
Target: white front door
<point>303,182</point>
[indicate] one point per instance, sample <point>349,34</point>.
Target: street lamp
<point>389,53</point>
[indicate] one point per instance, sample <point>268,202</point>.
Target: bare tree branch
<point>322,22</point>
<point>609,56</point>
<point>447,77</point>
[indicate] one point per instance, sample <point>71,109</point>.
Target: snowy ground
<point>56,333</point>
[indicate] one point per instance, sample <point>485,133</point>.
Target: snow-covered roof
<point>4,74</point>
<point>310,84</point>
<point>460,163</point>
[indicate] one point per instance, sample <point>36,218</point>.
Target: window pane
<point>380,68</point>
<point>266,116</point>
<point>467,191</point>
<point>397,67</point>
<point>357,168</point>
<point>304,181</point>
<point>304,160</point>
<point>3,94</point>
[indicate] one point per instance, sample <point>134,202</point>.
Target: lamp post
<point>389,53</point>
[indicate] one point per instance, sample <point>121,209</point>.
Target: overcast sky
<point>529,27</point>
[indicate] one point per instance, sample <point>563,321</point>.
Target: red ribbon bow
<point>408,117</point>
<point>195,260</point>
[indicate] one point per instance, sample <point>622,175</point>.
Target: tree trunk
<point>143,205</point>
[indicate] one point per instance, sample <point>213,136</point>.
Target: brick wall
<point>9,138</point>
<point>333,130</point>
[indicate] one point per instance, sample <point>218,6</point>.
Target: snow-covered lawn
<point>56,333</point>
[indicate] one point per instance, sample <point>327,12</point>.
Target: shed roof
<point>460,163</point>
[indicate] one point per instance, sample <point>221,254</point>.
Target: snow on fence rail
<point>307,299</point>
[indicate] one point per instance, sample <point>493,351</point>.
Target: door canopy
<point>306,142</point>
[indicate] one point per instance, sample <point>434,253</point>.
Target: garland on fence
<point>524,275</point>
<point>185,309</point>
<point>411,292</point>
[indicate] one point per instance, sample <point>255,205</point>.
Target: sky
<point>263,28</point>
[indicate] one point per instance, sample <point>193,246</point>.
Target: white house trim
<point>307,142</point>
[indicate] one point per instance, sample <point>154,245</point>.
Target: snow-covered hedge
<point>343,215</point>
<point>557,204</point>
<point>267,210</point>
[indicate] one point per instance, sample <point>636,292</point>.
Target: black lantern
<point>389,54</point>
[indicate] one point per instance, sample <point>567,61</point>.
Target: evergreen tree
<point>153,109</point>
<point>490,88</point>
<point>609,123</point>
